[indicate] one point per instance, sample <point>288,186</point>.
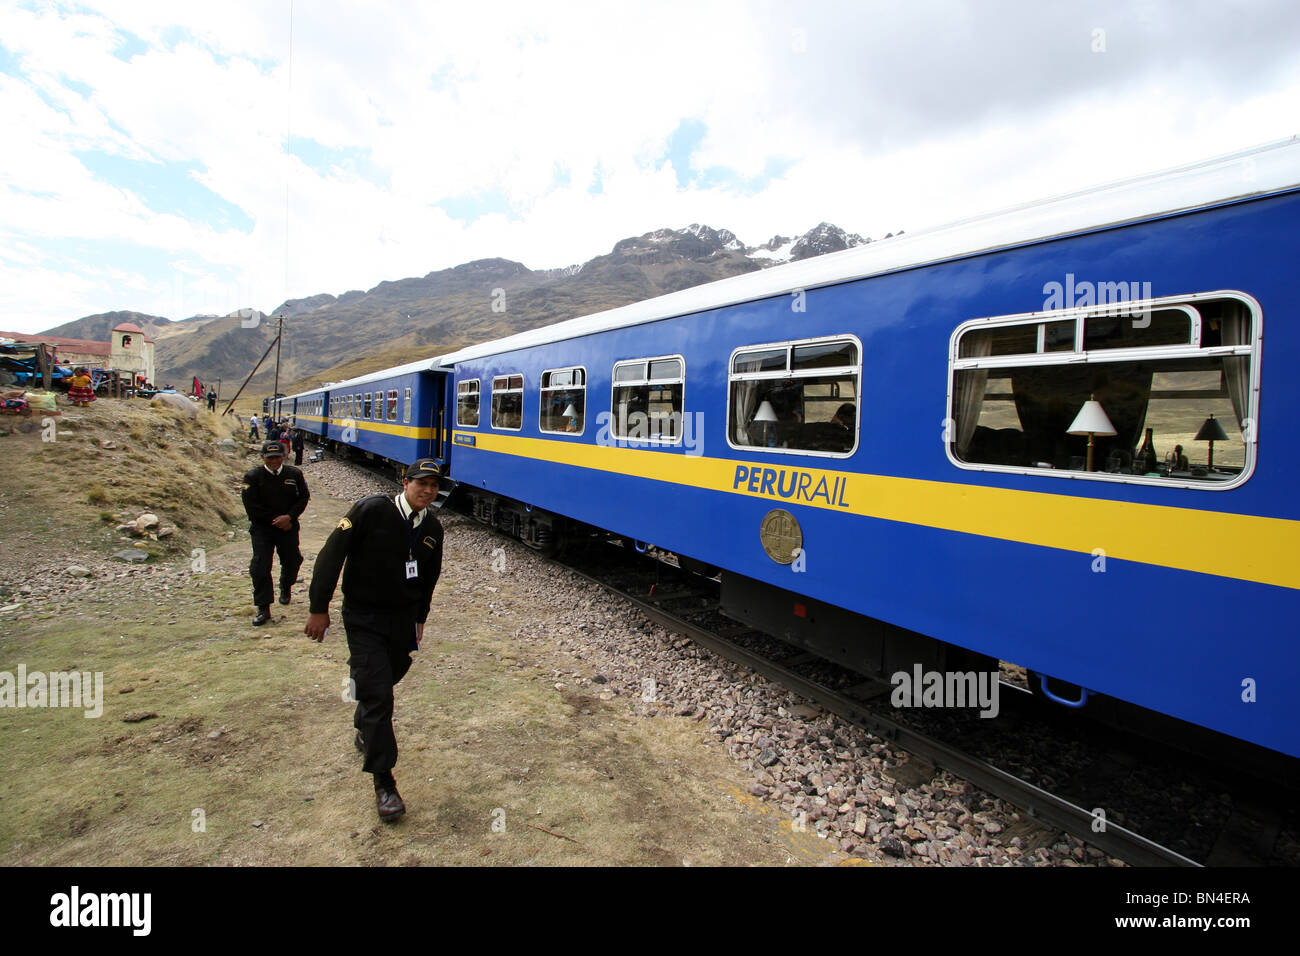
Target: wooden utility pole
<point>43,365</point>
<point>273,344</point>
<point>279,334</point>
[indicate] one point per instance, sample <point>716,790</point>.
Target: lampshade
<point>766,414</point>
<point>1091,420</point>
<point>1211,431</point>
<point>570,411</point>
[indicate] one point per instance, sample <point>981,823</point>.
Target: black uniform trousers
<point>267,540</point>
<point>380,642</point>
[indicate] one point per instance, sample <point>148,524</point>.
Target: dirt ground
<point>249,759</point>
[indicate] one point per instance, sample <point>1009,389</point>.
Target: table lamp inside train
<point>1091,421</point>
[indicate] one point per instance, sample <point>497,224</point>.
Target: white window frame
<point>789,347</point>
<point>506,391</point>
<point>541,403</point>
<point>406,405</point>
<point>390,406</point>
<point>1105,356</point>
<point>478,407</point>
<point>645,380</point>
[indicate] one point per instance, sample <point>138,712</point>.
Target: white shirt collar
<point>277,471</point>
<point>404,507</point>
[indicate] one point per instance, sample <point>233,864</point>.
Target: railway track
<point>1204,827</point>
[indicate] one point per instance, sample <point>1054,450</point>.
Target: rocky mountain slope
<point>331,337</point>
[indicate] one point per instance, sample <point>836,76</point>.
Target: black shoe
<point>263,615</point>
<point>389,803</point>
<point>284,595</point>
<point>359,742</point>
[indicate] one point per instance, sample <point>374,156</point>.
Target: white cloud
<point>882,119</point>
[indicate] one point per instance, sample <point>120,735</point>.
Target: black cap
<point>272,448</point>
<point>424,468</point>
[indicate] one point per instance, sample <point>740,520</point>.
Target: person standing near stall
<point>80,388</point>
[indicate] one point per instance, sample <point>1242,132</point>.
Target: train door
<point>438,415</point>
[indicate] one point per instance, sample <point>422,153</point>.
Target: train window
<point>392,405</point>
<point>406,405</point>
<point>563,404</point>
<point>1158,327</point>
<point>796,397</point>
<point>365,413</point>
<point>761,361</point>
<point>648,400</point>
<point>467,403</point>
<point>508,402</point>
<point>1159,371</point>
<point>666,370</point>
<point>1057,337</point>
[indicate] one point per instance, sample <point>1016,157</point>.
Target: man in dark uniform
<point>212,400</point>
<point>297,446</point>
<point>393,550</point>
<point>275,494</point>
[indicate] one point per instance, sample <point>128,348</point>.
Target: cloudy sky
<point>178,158</point>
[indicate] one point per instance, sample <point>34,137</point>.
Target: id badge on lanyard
<point>412,566</point>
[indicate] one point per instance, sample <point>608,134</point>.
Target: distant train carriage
<point>308,411</point>
<point>1000,435</point>
<point>394,414</point>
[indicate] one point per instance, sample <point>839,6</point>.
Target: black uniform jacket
<point>267,496</point>
<point>376,542</point>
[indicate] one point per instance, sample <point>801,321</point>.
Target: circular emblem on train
<point>781,535</point>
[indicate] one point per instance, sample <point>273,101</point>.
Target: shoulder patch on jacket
<point>343,524</point>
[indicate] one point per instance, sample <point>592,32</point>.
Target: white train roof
<point>1252,172</point>
<point>420,365</point>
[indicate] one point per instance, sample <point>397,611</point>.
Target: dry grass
<point>253,733</point>
<point>161,460</point>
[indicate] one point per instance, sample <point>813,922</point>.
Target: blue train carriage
<point>1034,437</point>
<point>307,410</point>
<point>394,414</point>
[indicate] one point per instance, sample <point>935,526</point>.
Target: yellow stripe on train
<point>402,431</point>
<point>1247,547</point>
